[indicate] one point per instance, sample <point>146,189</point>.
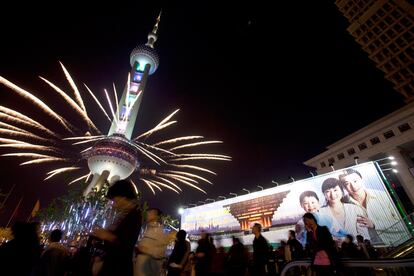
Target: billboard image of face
<point>351,201</point>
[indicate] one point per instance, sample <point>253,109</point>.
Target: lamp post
<point>291,178</point>
<point>356,160</point>
<point>221,197</point>
<point>210,199</point>
<point>275,182</point>
<point>385,158</point>
<point>332,166</point>
<point>392,163</point>
<point>391,169</point>
<point>233,194</point>
<point>244,189</point>
<point>261,187</point>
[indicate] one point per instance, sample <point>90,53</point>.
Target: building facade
<point>385,31</point>
<point>392,135</point>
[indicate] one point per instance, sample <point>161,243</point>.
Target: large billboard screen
<point>351,201</point>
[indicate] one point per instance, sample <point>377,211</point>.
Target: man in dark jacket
<point>260,251</point>
<point>295,247</point>
<point>120,237</point>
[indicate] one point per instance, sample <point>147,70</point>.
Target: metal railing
<point>387,266</point>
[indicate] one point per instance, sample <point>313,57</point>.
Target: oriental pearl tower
<point>115,157</point>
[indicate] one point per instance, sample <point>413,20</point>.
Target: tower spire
<point>152,36</point>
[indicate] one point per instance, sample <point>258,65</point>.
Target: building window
<point>375,141</point>
<point>323,164</point>
<point>331,160</point>
<point>362,146</point>
<point>340,156</point>
<point>404,127</point>
<point>351,151</point>
<point>389,134</point>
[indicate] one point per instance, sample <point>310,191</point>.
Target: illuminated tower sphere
<point>115,157</point>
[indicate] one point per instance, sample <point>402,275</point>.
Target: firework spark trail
<point>11,141</point>
<point>30,146</point>
<point>179,176</point>
<point>178,139</point>
<point>36,101</point>
<point>166,119</point>
<point>98,103</point>
<point>166,186</point>
<point>200,158</point>
<point>159,125</point>
<point>167,181</point>
<point>79,178</point>
<point>150,153</point>
<point>60,170</point>
<point>14,116</point>
<point>85,150</point>
<point>156,148</point>
<point>135,187</point>
<point>193,167</point>
<point>73,104</point>
<point>23,134</point>
<point>116,100</point>
<point>84,137</point>
<point>144,151</point>
<point>8,126</point>
<point>150,184</point>
<point>111,107</point>
<point>127,89</point>
<point>184,182</point>
<point>188,174</point>
<point>196,144</point>
<point>155,129</point>
<point>88,141</point>
<point>43,160</point>
<point>78,96</point>
<point>28,154</point>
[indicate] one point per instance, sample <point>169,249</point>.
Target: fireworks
<point>162,164</point>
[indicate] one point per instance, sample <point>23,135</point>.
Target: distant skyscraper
<point>385,30</point>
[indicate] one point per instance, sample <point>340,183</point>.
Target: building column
<point>404,174</point>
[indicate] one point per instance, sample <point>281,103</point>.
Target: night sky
<point>276,84</point>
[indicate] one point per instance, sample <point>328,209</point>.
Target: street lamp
<point>391,169</point>
<point>311,173</point>
<point>221,197</point>
<point>356,160</point>
<point>192,204</point>
<point>233,194</point>
<point>392,163</point>
<point>261,187</point>
<point>202,202</point>
<point>244,189</point>
<point>210,199</point>
<point>291,178</point>
<point>332,166</point>
<point>274,182</point>
<point>385,158</point>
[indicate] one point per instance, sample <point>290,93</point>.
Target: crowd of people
<point>130,246</point>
